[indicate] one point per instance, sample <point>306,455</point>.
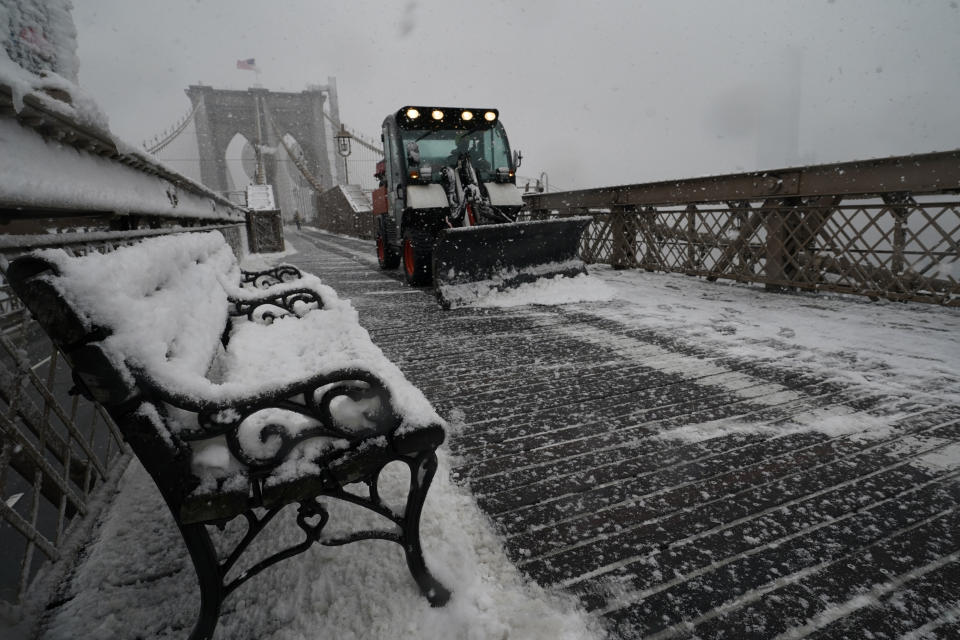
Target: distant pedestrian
<point>297,219</point>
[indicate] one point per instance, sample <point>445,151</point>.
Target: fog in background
<point>593,93</point>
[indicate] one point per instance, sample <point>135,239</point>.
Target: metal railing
<point>59,453</point>
<point>887,228</point>
<point>56,451</point>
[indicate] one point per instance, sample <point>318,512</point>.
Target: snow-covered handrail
<point>138,183</point>
<point>885,227</point>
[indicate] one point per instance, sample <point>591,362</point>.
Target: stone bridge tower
<point>266,116</point>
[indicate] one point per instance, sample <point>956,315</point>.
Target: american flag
<point>250,64</point>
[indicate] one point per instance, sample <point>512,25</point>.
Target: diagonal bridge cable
<point>161,144</point>
<point>361,140</point>
<point>296,159</point>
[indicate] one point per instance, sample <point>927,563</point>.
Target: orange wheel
<point>409,259</point>
<point>387,256</point>
<point>416,257</point>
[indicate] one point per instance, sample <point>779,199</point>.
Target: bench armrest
<point>275,304</point>
<point>270,301</point>
<point>269,277</point>
<point>347,406</point>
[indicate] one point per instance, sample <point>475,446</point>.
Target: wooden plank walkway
<point>756,534</point>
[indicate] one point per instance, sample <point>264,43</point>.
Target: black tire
<point>416,258</point>
<point>387,255</point>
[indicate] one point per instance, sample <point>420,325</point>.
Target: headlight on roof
<point>437,114</point>
<point>412,113</point>
<point>490,116</point>
<point>466,116</point>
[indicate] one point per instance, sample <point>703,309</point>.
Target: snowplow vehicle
<point>447,207</point>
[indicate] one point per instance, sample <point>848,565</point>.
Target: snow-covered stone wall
<point>40,37</point>
<point>38,56</point>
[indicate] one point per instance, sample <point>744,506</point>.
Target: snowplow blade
<point>471,261</point>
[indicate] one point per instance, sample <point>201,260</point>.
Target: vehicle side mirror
<point>413,152</point>
<point>517,159</point>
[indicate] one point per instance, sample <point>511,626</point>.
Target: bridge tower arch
<point>266,116</point>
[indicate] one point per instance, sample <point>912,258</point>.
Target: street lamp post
<point>343,139</point>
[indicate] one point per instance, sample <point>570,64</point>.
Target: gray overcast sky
<point>593,93</point>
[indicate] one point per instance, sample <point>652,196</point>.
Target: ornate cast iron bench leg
<point>204,557</point>
<point>211,571</point>
<point>422,469</point>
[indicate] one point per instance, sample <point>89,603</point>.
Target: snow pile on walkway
<point>833,423</point>
<point>891,349</point>
<point>137,580</point>
<point>545,291</point>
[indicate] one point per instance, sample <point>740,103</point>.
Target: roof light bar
<point>431,117</point>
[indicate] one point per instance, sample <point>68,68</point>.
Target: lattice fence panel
<point>58,451</point>
<point>901,249</point>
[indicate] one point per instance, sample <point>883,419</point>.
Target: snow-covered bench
<point>240,393</point>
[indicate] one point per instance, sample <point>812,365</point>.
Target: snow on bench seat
<point>237,397</point>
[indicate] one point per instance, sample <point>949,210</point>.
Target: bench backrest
<point>163,302</point>
<point>141,327</point>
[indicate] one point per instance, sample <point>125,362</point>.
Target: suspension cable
<point>161,144</point>
<point>359,138</point>
<point>297,161</point>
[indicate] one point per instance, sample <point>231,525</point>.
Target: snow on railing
<point>67,182</point>
<point>885,228</point>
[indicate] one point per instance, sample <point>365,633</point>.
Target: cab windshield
<point>487,148</point>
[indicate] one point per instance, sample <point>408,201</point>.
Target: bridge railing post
<point>623,233</point>
<point>647,223</point>
<point>693,264</point>
<point>774,223</point>
<point>898,204</point>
